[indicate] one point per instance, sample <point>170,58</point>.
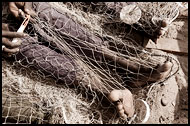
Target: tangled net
<point>146,16</point>
<point>72,45</point>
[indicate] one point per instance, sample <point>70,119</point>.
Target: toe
<point>162,32</point>
<point>164,23</point>
<point>165,67</point>
<point>119,107</point>
<point>154,39</point>
<point>114,95</point>
<point>129,110</point>
<point>122,114</point>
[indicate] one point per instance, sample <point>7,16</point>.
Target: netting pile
<point>71,45</point>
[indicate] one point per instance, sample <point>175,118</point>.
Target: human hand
<point>20,9</point>
<point>9,47</point>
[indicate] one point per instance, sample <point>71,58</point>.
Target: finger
<point>21,14</point>
<point>5,26</point>
<point>13,34</point>
<point>10,55</point>
<point>32,20</point>
<point>119,107</point>
<point>20,4</point>
<point>28,9</point>
<point>7,50</point>
<point>13,9</point>
<point>8,43</point>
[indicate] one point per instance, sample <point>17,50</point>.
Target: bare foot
<point>124,101</point>
<point>160,73</point>
<point>161,31</point>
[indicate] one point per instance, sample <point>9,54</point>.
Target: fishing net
<point>153,13</point>
<point>142,16</point>
<point>71,47</point>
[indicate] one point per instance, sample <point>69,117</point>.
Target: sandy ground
<point>175,92</point>
<point>181,115</point>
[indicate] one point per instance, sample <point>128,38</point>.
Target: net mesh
<point>152,13</point>
<point>71,45</point>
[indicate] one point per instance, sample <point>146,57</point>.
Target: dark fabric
<point>47,61</point>
<point>63,24</point>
